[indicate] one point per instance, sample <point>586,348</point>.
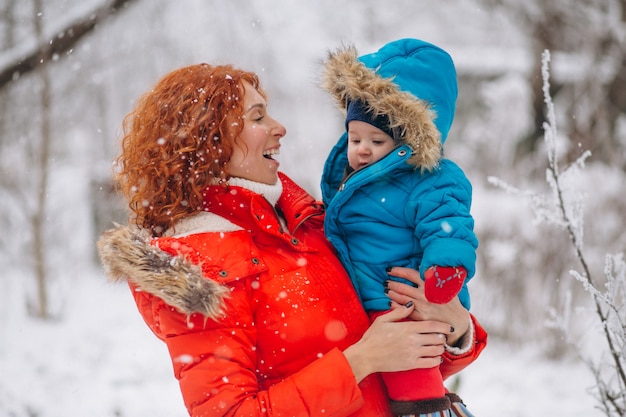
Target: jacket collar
<point>252,211</point>
<point>128,255</point>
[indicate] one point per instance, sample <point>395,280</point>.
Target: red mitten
<point>443,283</point>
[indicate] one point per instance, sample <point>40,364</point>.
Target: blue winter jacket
<point>411,208</point>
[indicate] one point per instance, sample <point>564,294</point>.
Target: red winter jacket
<point>274,346</point>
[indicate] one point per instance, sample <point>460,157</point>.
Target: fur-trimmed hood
<point>127,255</point>
<point>411,81</point>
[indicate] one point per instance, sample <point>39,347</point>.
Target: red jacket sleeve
<point>453,364</point>
<point>215,364</point>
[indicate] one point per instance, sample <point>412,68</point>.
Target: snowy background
<point>95,357</point>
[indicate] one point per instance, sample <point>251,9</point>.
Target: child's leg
<point>414,385</point>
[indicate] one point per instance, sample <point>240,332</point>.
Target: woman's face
<point>253,153</point>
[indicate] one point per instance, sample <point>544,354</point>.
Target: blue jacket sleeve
<point>444,225</point>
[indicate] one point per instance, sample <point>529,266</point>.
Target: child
<point>392,199</point>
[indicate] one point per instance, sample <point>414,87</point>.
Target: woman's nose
<point>279,130</point>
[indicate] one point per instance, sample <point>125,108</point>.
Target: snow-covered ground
<point>100,360</point>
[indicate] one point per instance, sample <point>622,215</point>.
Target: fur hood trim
<point>346,78</point>
<point>127,255</point>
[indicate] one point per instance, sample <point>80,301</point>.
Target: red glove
<point>443,283</point>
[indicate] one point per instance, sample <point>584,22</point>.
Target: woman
<point>229,265</point>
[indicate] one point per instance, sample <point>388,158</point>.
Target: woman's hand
<point>391,345</point>
<point>452,313</point>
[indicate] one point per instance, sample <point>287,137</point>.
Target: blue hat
<point>410,81</point>
<point>357,110</point>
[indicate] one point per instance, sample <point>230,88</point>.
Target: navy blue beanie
<point>358,110</point>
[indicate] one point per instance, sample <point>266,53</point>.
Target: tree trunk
<point>41,308</point>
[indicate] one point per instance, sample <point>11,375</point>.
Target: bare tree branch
<point>62,41</point>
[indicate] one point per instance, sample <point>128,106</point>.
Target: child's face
<point>366,144</point>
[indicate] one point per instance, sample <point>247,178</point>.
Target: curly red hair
<point>177,141</point>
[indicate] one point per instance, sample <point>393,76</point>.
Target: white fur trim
<point>467,342</point>
<point>202,222</point>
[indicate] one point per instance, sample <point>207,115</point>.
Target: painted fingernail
<point>386,290</point>
<point>409,304</point>
<point>386,284</point>
<point>388,269</point>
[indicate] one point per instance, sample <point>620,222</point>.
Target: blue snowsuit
<point>411,208</point>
